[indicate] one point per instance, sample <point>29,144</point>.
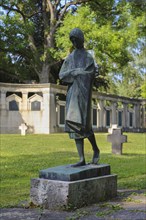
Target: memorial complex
<point>41,109</point>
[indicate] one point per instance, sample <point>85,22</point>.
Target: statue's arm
<point>88,69</point>
<point>65,72</point>
<point>83,71</point>
<point>68,75</point>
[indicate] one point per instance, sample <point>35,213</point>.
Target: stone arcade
<point>38,107</point>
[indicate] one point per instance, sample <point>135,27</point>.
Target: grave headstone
<point>23,129</point>
<point>117,139</point>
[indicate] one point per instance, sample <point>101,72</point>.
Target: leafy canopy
<point>111,40</point>
<point>34,40</point>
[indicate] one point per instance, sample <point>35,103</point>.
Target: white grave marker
<point>114,126</point>
<point>23,129</point>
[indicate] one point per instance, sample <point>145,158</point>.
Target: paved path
<point>129,205</point>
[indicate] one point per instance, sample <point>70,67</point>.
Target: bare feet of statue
<point>81,163</point>
<point>96,157</point>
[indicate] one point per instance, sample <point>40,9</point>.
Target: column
<point>46,112</point>
<point>136,115</point>
<point>24,106</point>
<point>114,113</point>
<point>101,115</point>
<point>3,112</point>
<point>125,115</point>
<point>3,100</point>
<point>52,110</point>
<point>143,116</point>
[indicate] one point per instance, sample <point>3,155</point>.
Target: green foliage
<point>34,40</point>
<point>26,39</point>
<point>23,156</point>
<point>14,44</point>
<point>143,90</point>
<point>111,40</point>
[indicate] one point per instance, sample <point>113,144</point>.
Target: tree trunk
<point>44,75</point>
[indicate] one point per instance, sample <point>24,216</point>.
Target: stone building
<point>41,109</point>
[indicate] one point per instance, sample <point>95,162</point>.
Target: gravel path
<point>128,205</point>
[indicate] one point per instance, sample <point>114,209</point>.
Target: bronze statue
<point>78,71</point>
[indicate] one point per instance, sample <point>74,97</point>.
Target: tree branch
<point>16,52</point>
<point>14,9</point>
<point>20,12</point>
<point>51,10</point>
<point>58,2</point>
<point>32,44</point>
<point>66,6</point>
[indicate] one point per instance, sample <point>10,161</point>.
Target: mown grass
<point>23,156</point>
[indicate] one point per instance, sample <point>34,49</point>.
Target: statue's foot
<point>95,161</point>
<point>96,158</point>
<point>81,163</point>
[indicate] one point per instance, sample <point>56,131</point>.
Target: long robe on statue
<point>78,71</point>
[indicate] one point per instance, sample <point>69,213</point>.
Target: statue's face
<point>77,43</point>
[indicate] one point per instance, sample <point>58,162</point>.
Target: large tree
<point>28,34</point>
<point>34,38</point>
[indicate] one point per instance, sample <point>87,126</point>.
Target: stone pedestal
<point>68,187</point>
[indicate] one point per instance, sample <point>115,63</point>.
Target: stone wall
<point>38,106</point>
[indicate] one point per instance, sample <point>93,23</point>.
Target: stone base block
<point>68,173</point>
<point>55,194</point>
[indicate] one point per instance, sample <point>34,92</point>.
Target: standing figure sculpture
<point>78,71</point>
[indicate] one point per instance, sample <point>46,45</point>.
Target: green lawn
<point>23,156</point>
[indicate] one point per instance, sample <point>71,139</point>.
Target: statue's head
<point>77,38</point>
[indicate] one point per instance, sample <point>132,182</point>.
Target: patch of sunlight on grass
<point>23,156</point>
